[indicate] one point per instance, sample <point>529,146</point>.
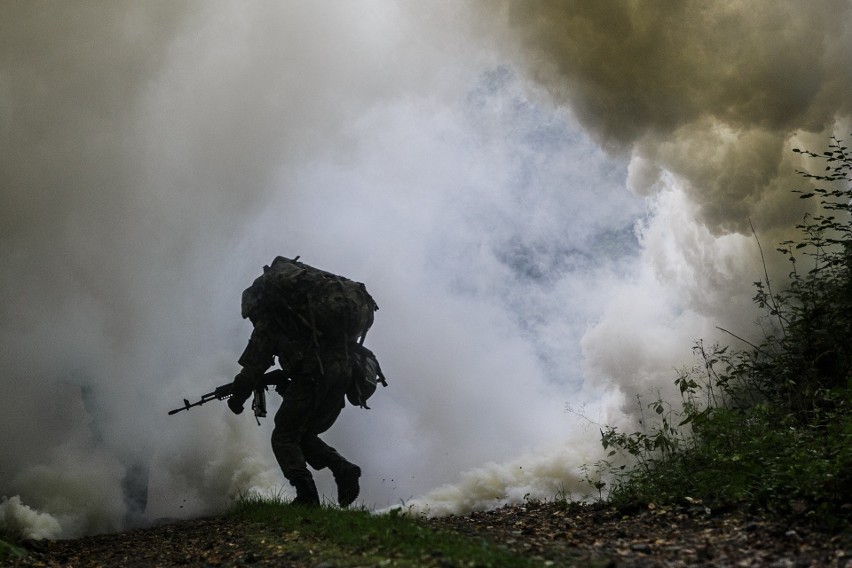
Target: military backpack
<point>318,308</point>
<point>309,302</point>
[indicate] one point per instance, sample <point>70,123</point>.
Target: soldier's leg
<point>346,474</point>
<point>290,423</point>
<point>319,454</point>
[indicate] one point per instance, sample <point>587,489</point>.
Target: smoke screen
<point>549,201</point>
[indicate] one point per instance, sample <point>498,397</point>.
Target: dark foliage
<point>767,428</point>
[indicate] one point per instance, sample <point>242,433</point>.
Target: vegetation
<point>359,538</point>
<point>767,428</point>
<point>8,550</point>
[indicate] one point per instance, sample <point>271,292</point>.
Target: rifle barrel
<point>186,406</point>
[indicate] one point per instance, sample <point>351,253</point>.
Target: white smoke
<point>708,102</point>
<point>20,519</point>
<point>155,156</point>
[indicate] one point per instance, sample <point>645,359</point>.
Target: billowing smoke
<point>710,94</point>
<point>707,100</point>
<point>471,168</point>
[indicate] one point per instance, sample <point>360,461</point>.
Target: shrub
<point>769,427</point>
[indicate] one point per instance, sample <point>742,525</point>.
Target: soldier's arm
<point>255,360</point>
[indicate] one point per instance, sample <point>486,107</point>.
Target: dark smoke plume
<point>710,92</point>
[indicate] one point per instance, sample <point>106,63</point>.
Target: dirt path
<point>690,535</point>
<point>554,535</point>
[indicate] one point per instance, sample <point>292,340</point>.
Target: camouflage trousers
<point>310,406</point>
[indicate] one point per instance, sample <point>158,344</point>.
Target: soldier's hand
<point>235,405</point>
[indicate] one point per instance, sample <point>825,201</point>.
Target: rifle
<point>276,378</point>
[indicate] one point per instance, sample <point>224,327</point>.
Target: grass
<point>9,550</point>
<point>345,537</point>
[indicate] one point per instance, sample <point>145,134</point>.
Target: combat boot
<point>306,493</point>
<point>346,476</point>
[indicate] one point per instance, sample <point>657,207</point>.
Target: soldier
<point>320,373</point>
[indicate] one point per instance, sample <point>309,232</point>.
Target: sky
<point>549,201</point>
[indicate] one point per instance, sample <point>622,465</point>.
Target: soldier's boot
<point>346,477</point>
<point>306,493</point>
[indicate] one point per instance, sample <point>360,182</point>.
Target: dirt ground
<point>548,533</point>
<point>681,536</point>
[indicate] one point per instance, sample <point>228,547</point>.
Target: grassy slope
<point>358,538</point>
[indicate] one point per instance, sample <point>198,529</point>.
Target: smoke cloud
<point>707,101</point>
<point>710,93</point>
<point>549,201</point>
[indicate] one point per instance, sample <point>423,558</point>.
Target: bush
<point>768,428</point>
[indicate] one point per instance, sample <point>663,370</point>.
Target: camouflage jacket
<point>297,357</point>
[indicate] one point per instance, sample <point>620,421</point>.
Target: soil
<point>549,533</point>
<point>679,536</point>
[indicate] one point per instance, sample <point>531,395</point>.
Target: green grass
<point>357,538</point>
<point>8,550</point>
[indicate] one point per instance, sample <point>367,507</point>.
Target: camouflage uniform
<point>311,403</point>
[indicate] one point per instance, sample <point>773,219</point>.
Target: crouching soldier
<point>314,323</point>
